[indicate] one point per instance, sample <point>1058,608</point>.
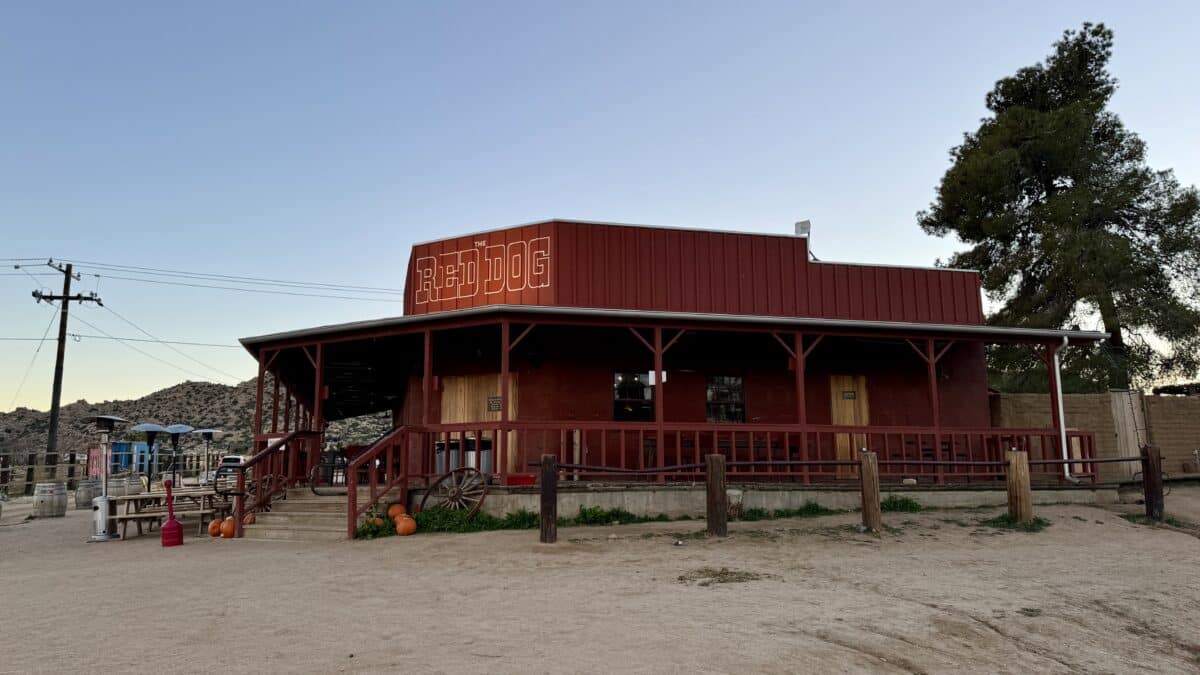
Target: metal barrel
<point>49,500</point>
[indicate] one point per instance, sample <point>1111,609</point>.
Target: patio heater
<point>207,435</point>
<point>177,430</point>
<point>104,527</point>
<point>151,430</point>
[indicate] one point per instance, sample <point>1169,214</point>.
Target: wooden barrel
<point>87,490</point>
<point>133,485</point>
<point>116,486</point>
<point>49,500</point>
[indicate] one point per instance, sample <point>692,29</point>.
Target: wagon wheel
<point>461,489</point>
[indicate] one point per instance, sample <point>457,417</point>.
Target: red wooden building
<point>646,347</point>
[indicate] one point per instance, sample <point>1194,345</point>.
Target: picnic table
<point>150,508</point>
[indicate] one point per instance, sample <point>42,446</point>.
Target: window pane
<point>725,399</point>
<point>633,397</point>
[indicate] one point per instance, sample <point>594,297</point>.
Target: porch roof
<point>355,329</point>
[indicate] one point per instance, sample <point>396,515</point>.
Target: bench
<point>155,515</point>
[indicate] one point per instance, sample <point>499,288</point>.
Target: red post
<point>660,386</point>
<point>801,400</point>
<point>427,377</point>
<point>258,398</point>
<point>287,411</point>
<point>352,500</point>
<point>318,408</point>
<point>935,406</point>
<point>239,505</point>
<point>319,390</point>
<point>275,403</point>
<point>502,459</point>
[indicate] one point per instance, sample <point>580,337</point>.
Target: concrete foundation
<point>688,500</point>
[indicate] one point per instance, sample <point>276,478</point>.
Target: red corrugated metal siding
<point>660,269</point>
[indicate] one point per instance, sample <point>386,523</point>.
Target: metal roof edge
<point>976,329</point>
<point>931,268</point>
<point>576,221</point>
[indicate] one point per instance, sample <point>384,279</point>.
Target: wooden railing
<point>275,468</point>
<point>407,457</point>
<point>755,451</point>
<point>383,464</point>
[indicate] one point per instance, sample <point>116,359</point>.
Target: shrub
<point>1007,522</point>
<point>895,503</point>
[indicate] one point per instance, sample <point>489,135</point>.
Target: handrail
<point>333,465</point>
<point>395,473</point>
<point>267,487</point>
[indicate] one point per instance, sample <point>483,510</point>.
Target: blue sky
<point>318,141</point>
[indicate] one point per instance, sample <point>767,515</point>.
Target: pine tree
<point>1068,226</point>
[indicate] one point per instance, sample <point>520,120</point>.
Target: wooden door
<point>467,399</point>
<point>849,407</point>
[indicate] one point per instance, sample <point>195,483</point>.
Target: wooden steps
<point>304,516</point>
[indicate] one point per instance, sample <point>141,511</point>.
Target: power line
<point>210,276</point>
<point>29,368</point>
<point>252,290</point>
<point>140,351</point>
<point>84,336</point>
<point>272,286</point>
<point>168,346</point>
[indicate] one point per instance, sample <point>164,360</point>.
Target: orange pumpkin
<point>227,527</point>
<point>405,525</point>
<point>396,510</point>
<point>249,519</point>
<point>214,528</point>
<point>377,521</point>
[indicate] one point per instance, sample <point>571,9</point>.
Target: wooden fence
<point>1015,467</point>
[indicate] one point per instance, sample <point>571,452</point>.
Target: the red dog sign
<point>484,268</point>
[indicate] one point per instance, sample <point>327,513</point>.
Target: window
<point>725,399</point>
<point>633,397</point>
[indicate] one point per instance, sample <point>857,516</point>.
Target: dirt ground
<point>938,592</point>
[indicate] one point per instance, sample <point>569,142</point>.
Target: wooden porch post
<point>287,410</point>
<point>258,398</point>
<point>660,385</point>
<point>801,400</point>
<point>427,377</point>
<point>935,406</point>
<point>275,403</point>
<point>318,412</point>
<point>319,391</point>
<point>799,355</point>
<point>505,346</point>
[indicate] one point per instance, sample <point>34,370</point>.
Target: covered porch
<point>642,396</point>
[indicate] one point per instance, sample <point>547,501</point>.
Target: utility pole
<point>65,301</point>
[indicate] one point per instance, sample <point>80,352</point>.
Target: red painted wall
<point>573,264</point>
<point>555,383</point>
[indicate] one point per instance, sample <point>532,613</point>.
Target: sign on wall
<point>484,268</point>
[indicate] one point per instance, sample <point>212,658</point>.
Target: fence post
<point>239,504</point>
<point>1152,482</point>
<point>1020,495</point>
<point>717,508</point>
<point>872,513</point>
<point>549,518</point>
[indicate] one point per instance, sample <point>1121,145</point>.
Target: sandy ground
<point>936,593</point>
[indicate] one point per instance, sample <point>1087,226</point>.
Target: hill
<point>200,404</point>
